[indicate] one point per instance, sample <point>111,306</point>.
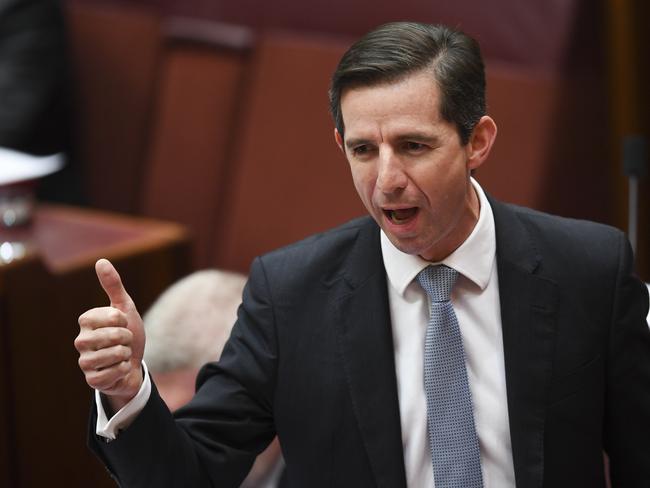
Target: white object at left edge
<point>16,167</point>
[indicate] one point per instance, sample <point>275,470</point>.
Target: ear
<point>339,140</point>
<point>480,142</point>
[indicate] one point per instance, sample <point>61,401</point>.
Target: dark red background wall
<point>552,35</point>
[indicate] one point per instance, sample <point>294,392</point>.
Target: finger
<point>118,387</point>
<point>100,317</point>
<point>106,378</point>
<point>110,280</point>
<point>107,358</point>
<point>94,340</point>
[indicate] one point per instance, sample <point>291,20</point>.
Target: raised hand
<point>111,341</point>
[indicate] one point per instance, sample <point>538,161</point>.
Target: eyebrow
<point>420,137</point>
<point>432,140</point>
<point>352,143</point>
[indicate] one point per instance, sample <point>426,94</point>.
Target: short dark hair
<point>395,50</point>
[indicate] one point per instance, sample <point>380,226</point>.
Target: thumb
<point>112,285</point>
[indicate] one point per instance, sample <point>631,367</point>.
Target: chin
<point>406,247</point>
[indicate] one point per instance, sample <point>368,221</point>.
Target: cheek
<point>440,180</point>
<point>364,181</point>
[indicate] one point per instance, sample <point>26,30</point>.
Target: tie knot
<point>438,281</point>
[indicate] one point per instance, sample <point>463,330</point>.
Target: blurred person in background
<point>186,327</point>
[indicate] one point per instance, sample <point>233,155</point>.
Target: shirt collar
<point>473,259</point>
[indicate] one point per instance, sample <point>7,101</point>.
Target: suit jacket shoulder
<point>577,350</point>
<point>560,240</point>
<point>324,257</point>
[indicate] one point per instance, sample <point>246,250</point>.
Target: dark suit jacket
<point>311,358</point>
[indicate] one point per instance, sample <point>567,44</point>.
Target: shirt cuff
<point>109,428</point>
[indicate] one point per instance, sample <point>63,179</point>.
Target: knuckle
<point>97,318</point>
<point>127,336</point>
<point>80,343</point>
<point>109,337</point>
<point>114,317</point>
<point>83,342</point>
<point>88,362</point>
<point>83,363</point>
<point>123,335</point>
<point>111,356</point>
<point>122,353</point>
<point>84,320</point>
<point>113,336</point>
<point>93,380</point>
<point>101,380</point>
<point>124,367</point>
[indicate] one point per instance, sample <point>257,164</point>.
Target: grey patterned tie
<point>452,434</point>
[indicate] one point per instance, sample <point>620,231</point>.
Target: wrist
<point>122,395</point>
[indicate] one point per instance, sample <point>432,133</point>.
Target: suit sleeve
<point>627,421</point>
<point>214,440</point>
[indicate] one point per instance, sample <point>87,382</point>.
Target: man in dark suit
<point>329,344</point>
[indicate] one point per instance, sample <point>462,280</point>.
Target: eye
<point>362,150</point>
<point>414,147</point>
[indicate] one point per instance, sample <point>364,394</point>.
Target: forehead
<point>413,99</point>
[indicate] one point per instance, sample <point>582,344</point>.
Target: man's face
<point>408,165</point>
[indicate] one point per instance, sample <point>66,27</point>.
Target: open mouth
<point>401,215</point>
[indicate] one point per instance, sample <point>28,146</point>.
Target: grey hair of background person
<point>190,322</point>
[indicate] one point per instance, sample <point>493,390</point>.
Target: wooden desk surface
<point>69,237</point>
<point>41,296</point>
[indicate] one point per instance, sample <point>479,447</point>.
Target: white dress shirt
<point>475,298</point>
<point>109,428</point>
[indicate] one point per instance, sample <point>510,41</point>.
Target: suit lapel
<point>366,347</point>
<point>528,317</point>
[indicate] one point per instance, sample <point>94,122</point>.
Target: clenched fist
<point>111,341</point>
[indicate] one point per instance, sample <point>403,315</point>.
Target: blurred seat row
<point>227,130</point>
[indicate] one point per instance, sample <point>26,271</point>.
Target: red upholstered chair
<point>289,178</point>
<point>546,155</point>
<point>203,68</point>
<point>114,54</point>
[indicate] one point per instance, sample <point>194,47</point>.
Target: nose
<point>390,173</point>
